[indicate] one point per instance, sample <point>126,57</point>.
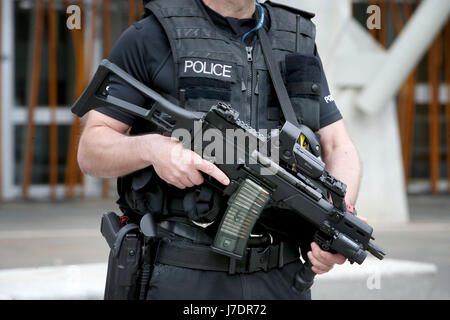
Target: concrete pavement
<point>47,234</point>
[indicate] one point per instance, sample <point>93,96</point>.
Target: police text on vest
<point>209,68</point>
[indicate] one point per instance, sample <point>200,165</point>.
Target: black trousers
<point>176,283</point>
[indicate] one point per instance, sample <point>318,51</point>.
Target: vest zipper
<point>249,51</point>
<point>250,72</point>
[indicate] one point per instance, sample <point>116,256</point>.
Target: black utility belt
<point>201,257</point>
<point>198,234</point>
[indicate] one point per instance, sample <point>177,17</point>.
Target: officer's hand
<point>179,166</point>
<point>323,261</point>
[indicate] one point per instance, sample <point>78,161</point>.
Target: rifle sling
<point>275,74</point>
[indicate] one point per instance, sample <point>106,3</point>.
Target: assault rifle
<point>299,182</point>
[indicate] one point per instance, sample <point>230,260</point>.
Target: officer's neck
<point>240,9</point>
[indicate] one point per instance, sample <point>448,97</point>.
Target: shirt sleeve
<point>128,53</point>
<point>329,112</point>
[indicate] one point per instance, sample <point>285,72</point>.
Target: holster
<point>124,260</point>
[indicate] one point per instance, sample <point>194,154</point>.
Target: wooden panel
<point>373,32</point>
<point>406,104</point>
<point>71,161</point>
<point>141,9</point>
<point>1,100</point>
<point>382,34</point>
<point>84,49</point>
<point>106,28</point>
<point>34,96</point>
<point>434,76</point>
<point>410,109</point>
<point>447,106</point>
<point>131,11</point>
<point>53,95</point>
<point>398,21</point>
<point>401,112</point>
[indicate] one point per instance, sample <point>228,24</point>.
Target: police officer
<point>200,52</point>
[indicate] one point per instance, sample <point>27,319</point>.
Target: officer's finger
<point>176,184</point>
<point>321,256</point>
<point>196,177</point>
<point>317,266</point>
<point>327,257</point>
<point>211,170</point>
<point>186,182</point>
<point>179,181</point>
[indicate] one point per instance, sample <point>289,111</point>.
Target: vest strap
<point>280,88</point>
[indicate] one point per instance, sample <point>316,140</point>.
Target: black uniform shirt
<point>143,51</point>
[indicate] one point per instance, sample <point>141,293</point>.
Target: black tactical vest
<point>212,66</point>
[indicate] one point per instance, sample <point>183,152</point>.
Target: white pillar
<point>347,50</point>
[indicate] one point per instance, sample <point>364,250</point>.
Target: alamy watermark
<point>232,146</point>
<point>74,17</point>
<point>373,282</point>
<point>374,19</point>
